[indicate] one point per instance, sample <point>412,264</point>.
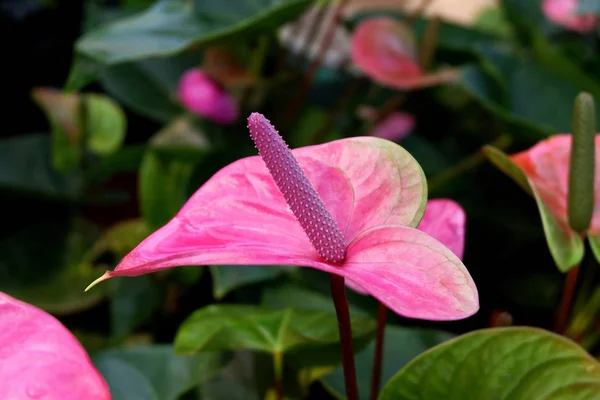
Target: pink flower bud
<point>201,95</point>
<point>564,13</point>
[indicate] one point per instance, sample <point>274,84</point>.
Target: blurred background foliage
<point>96,152</point>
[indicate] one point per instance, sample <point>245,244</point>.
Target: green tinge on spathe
<point>581,171</point>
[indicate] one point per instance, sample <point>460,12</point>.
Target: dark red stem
<point>567,299</point>
<point>378,360</point>
<point>338,294</point>
<point>309,76</point>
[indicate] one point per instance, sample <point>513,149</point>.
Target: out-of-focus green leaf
<point>121,238</point>
<point>106,124</point>
<point>170,26</point>
<point>132,302</point>
<point>536,290</point>
<point>525,16</point>
<point>124,380</point>
<point>166,375</point>
<point>227,278</point>
<point>565,245</point>
<point>62,291</point>
<point>401,345</point>
<point>588,6</point>
<point>182,139</point>
<point>243,327</point>
<point>309,123</point>
<point>500,363</point>
<point>493,20</point>
<point>25,166</point>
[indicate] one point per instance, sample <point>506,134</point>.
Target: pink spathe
<point>201,95</point>
<point>41,360</point>
<point>564,13</point>
<point>373,189</point>
<point>394,127</point>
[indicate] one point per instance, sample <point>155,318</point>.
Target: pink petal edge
<point>41,359</point>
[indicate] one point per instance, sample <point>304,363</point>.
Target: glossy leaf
<point>41,358</point>
<point>154,370</point>
<point>565,245</point>
<point>372,187</point>
<point>243,327</point>
<point>501,363</point>
<point>401,345</point>
<point>227,278</point>
<point>170,26</point>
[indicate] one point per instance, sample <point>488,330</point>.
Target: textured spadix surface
<point>40,359</point>
<point>375,192</point>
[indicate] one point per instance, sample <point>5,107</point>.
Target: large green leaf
<point>162,374</point>
<point>243,327</point>
<point>565,245</point>
<point>25,166</point>
<point>401,345</point>
<point>501,363</point>
<point>170,26</point>
<point>227,278</point>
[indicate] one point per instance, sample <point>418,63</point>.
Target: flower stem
<point>278,368</point>
<point>314,66</point>
<point>566,300</point>
<point>378,359</point>
<point>338,294</point>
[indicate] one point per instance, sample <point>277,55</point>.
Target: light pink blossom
<point>201,95</point>
<point>41,359</point>
<point>563,12</point>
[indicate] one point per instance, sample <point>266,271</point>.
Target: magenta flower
<point>384,49</point>
<point>444,220</point>
<point>394,127</point>
<point>564,13</point>
<point>41,359</point>
<point>355,223</point>
<point>203,96</point>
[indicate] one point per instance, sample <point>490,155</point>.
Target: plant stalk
<point>338,294</point>
<point>566,300</point>
<point>278,368</point>
<point>378,358</point>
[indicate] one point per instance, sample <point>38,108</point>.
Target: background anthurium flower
<point>543,171</point>
<point>564,13</point>
<point>41,359</point>
<point>394,127</point>
<point>444,219</point>
<point>384,49</point>
<point>199,94</point>
<point>373,189</point>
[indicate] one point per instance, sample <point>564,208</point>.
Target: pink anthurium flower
<point>41,359</point>
<point>444,219</point>
<point>201,95</point>
<point>546,167</point>
<point>343,207</point>
<point>564,13</point>
<point>384,49</point>
<point>394,127</point>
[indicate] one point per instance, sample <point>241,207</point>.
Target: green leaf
<point>121,238</point>
<point>166,169</point>
<point>500,363</point>
<point>170,26</point>
<point>525,16</point>
<point>132,303</point>
<point>124,380</point>
<point>242,327</point>
<point>401,345</point>
<point>227,278</point>
<point>565,245</point>
<point>25,166</point>
<point>106,124</point>
<point>157,369</point>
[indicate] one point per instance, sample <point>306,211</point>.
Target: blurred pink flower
<point>201,95</point>
<point>344,207</point>
<point>384,49</point>
<point>41,359</point>
<point>564,13</point>
<point>394,127</point>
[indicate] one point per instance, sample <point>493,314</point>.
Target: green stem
<point>338,294</point>
<point>566,300</point>
<point>378,357</point>
<point>278,369</point>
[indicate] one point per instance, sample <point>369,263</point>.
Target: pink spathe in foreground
<point>41,359</point>
<point>373,189</point>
